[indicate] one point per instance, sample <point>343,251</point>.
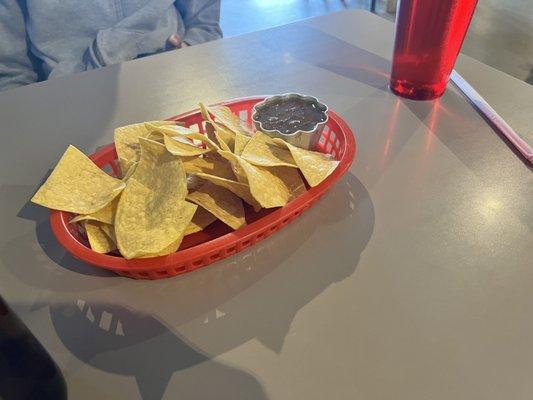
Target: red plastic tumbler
<point>429,35</point>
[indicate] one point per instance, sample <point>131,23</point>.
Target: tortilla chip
<point>225,117</point>
<point>235,166</point>
<point>202,138</point>
<point>156,136</point>
<point>77,185</point>
<point>315,166</point>
<point>205,112</point>
<point>125,166</point>
<point>240,189</point>
<point>193,183</point>
<point>220,202</point>
<point>212,165</point>
<point>226,136</point>
<point>209,130</point>
<point>105,215</point>
<point>240,143</point>
<point>171,248</point>
<point>172,130</point>
<point>101,240</point>
<point>263,151</point>
<point>223,136</point>
<point>180,146</point>
<point>273,186</point>
<point>188,135</point>
<point>127,141</point>
<point>270,186</point>
<point>152,213</point>
<point>109,230</point>
<point>221,141</point>
<point>130,171</point>
<point>202,218</point>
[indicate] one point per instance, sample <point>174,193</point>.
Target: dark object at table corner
<point>27,372</point>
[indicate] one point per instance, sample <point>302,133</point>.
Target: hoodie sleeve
<point>144,32</point>
<point>16,68</point>
<point>201,19</point>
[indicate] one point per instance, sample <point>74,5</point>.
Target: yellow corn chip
<point>205,112</point>
<point>100,240</point>
<point>125,167</point>
<point>109,230</point>
<point>235,165</point>
<point>156,136</point>
<point>202,138</point>
<point>127,141</point>
<point>210,132</point>
<point>270,186</point>
<point>129,172</point>
<point>171,130</point>
<point>225,117</point>
<point>220,202</point>
<point>171,248</point>
<point>240,189</point>
<point>273,186</point>
<point>202,218</point>
<point>224,137</point>
<point>105,215</point>
<point>77,185</point>
<point>180,146</point>
<point>193,183</point>
<point>223,144</point>
<point>263,151</point>
<point>315,166</point>
<point>212,165</point>
<point>240,143</point>
<point>188,135</point>
<point>152,214</point>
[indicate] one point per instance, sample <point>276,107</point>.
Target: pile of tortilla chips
<point>176,181</point>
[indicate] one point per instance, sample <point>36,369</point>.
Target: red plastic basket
<point>217,241</point>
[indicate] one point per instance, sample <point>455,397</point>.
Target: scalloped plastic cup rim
<point>317,129</point>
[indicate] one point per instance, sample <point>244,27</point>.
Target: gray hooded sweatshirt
<point>41,39</point>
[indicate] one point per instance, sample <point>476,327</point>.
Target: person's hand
<point>176,42</point>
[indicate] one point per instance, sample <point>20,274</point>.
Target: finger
<point>175,40</point>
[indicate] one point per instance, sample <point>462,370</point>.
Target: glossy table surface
<point>411,279</point>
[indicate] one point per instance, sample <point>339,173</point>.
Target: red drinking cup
<point>429,35</point>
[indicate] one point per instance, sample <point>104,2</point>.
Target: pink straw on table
<point>485,109</point>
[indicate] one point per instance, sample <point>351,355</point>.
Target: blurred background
<point>501,33</point>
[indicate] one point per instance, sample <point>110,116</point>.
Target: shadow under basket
<point>217,241</point>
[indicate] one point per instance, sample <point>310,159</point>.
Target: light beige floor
<point>501,33</point>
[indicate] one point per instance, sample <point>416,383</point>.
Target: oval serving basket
<point>217,241</point>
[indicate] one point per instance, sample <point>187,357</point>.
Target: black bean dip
<point>290,115</point>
